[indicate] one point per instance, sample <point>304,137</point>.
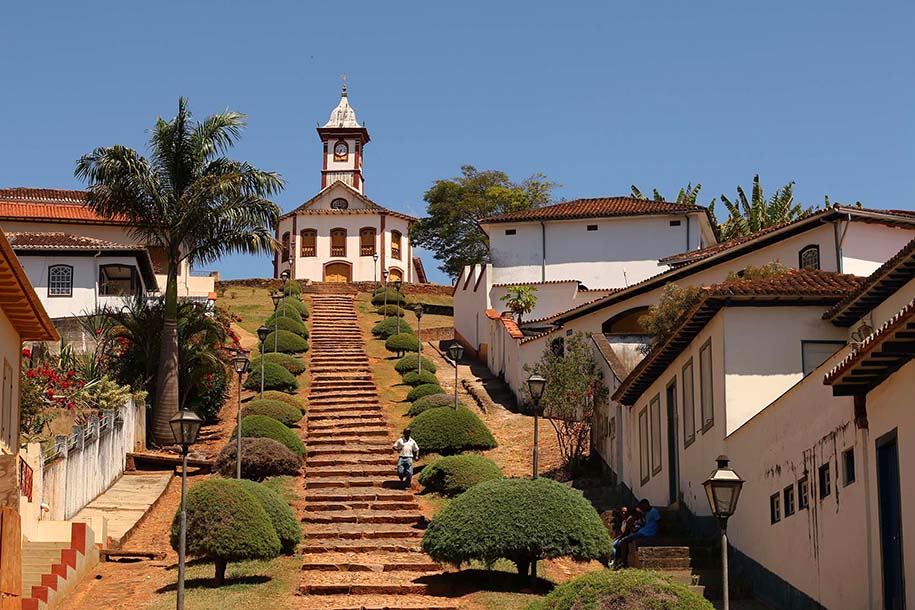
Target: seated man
<point>649,529</point>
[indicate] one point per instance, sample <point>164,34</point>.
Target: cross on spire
<point>344,84</point>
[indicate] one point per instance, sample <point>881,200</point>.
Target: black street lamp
<point>185,425</point>
<point>276,318</point>
<point>535,385</point>
<point>262,333</point>
<point>241,365</point>
<point>397,285</point>
<point>384,276</point>
<point>375,268</point>
<point>285,277</point>
<point>418,310</point>
<point>456,352</point>
<point>723,489</point>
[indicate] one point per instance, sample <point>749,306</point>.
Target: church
<point>340,235</point>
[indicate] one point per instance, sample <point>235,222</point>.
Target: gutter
<point>97,286</point>
<point>543,251</point>
<point>840,241</point>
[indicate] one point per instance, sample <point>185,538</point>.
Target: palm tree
<point>194,203</point>
<point>688,195</point>
<point>757,213</point>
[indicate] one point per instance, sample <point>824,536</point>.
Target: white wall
<point>470,304</point>
<point>866,246</point>
<point>10,354</point>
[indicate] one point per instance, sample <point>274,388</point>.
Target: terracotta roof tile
<point>601,207</point>
<point>794,282</point>
<point>512,328</point>
<point>49,205</point>
<point>64,241</point>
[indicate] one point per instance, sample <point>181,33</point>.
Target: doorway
<point>673,476</point>
<point>890,511</point>
<point>337,272</point>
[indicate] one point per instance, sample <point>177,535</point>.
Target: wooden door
<point>337,272</point>
<point>395,274</point>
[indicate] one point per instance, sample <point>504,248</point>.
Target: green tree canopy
<point>455,205</point>
<point>520,300</point>
<point>748,215</point>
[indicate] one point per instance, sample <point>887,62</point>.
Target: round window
<point>339,204</point>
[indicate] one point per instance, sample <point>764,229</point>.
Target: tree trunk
<point>524,566</point>
<point>167,373</point>
<point>221,572</point>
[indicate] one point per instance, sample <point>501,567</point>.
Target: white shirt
<point>407,448</point>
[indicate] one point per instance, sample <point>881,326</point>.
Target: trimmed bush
<point>516,519</point>
<point>294,365</point>
<point>410,362</point>
<point>291,313</point>
<point>292,326</point>
<point>275,378</point>
<point>391,310</point>
<point>447,431</point>
<point>287,398</point>
<point>399,344</point>
<point>225,522</point>
<point>394,297</point>
<point>456,474</point>
<point>286,414</point>
<point>427,389</point>
<point>285,524</point>
<point>260,458</point>
<point>293,288</point>
<point>432,401</point>
<point>286,342</point>
<point>296,304</point>
<point>416,378</point>
<point>636,589</point>
<point>261,426</point>
<point>387,328</point>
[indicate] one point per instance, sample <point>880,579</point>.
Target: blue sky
<point>596,95</point>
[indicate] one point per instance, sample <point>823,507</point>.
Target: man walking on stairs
<point>409,451</point>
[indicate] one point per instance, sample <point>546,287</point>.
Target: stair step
<point>325,449</point>
<point>350,531</point>
<point>315,506</point>
<point>356,562</point>
<point>343,460</point>
<point>361,545</point>
<point>360,494</point>
<point>344,482</point>
<point>352,470</point>
<point>363,516</point>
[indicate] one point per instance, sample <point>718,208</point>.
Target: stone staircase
<point>363,531</point>
<point>50,570</point>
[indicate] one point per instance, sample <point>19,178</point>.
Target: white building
<point>340,235</point>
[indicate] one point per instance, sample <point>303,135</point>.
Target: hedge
<point>456,474</point>
<point>637,589</point>
<point>291,325</point>
<point>517,519</point>
<point>225,522</point>
<point>427,389</point>
<point>410,362</point>
<point>287,398</point>
<point>286,414</point>
<point>260,458</point>
<point>387,328</point>
<point>284,522</point>
<point>404,342</point>
<point>446,430</point>
<point>415,378</point>
<point>432,401</point>
<point>275,378</point>
<point>261,426</point>
<point>293,289</point>
<point>291,313</point>
<point>294,365</point>
<point>286,342</point>
<point>296,304</point>
<point>393,298</point>
<point>391,310</point>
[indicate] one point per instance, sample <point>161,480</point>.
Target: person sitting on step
<point>651,518</point>
<point>409,451</point>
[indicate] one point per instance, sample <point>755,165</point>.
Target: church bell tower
<point>344,140</point>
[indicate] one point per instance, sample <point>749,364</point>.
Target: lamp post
<point>384,276</point>
<point>418,310</point>
<point>285,277</point>
<point>262,333</point>
<point>723,489</point>
<point>535,385</point>
<point>241,365</point>
<point>397,285</point>
<point>375,268</point>
<point>185,425</point>
<point>276,318</point>
<point>456,351</point>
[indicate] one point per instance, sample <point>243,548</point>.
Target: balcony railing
<point>367,251</point>
<point>338,250</point>
<point>309,251</point>
<point>395,252</point>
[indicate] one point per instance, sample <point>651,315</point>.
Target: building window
<point>809,257</point>
<point>511,231</point>
<point>309,242</point>
<point>117,280</point>
<point>825,481</point>
<point>815,353</point>
<point>655,416</point>
<point>60,281</point>
<point>395,244</point>
<point>338,242</point>
<point>367,242</point>
<point>558,347</point>
<point>285,246</point>
<point>643,446</point>
<point>705,386</point>
<point>775,508</point>
<point>803,494</point>
<point>674,223</point>
<point>592,227</point>
<point>788,496</point>
<point>339,204</point>
<point>689,411</point>
<point>848,466</point>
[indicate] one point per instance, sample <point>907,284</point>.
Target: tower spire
<point>343,94</point>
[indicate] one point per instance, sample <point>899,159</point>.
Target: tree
<point>450,228</point>
<point>574,387</point>
<point>520,300</point>
<point>190,200</point>
<point>663,316</point>
<point>686,196</point>
<point>748,215</point>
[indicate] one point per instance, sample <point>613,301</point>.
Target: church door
<point>337,272</point>
<point>395,274</point>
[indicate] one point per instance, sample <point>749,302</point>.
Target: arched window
<point>395,274</point>
<point>285,245</point>
<point>367,241</point>
<point>117,280</point>
<point>395,244</point>
<point>309,242</point>
<point>809,257</point>
<point>625,323</point>
<point>60,281</point>
<point>338,242</point>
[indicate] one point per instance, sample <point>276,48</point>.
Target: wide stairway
<point>363,531</point>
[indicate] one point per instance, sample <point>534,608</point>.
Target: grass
<point>252,304</point>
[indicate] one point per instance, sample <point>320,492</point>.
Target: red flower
<point>31,374</point>
<point>50,394</point>
<point>98,331</point>
<point>209,376</point>
<point>71,373</point>
<point>71,406</point>
<point>82,383</point>
<point>26,353</point>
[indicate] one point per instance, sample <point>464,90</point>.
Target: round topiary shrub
<point>225,523</point>
<point>456,474</point>
<point>394,297</point>
<point>402,343</point>
<point>293,288</point>
<point>287,398</point>
<point>260,458</point>
<point>295,303</point>
<point>261,426</point>
<point>410,362</point>
<point>285,524</point>
<point>415,378</point>
<point>432,401</point>
<point>294,365</point>
<point>636,589</point>
<point>275,378</point>
<point>517,519</point>
<point>387,328</point>
<point>286,342</point>
<point>286,414</point>
<point>427,389</point>
<point>290,313</point>
<point>391,310</point>
<point>446,430</point>
<point>297,328</point>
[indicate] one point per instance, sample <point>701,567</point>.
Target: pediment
<point>338,196</point>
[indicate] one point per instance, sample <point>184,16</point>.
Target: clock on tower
<point>343,138</point>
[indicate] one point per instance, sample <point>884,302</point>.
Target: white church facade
<point>340,235</point>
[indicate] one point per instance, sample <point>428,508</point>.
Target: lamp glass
<point>722,488</point>
<point>375,257</point>
<point>456,351</point>
<point>284,275</point>
<point>185,425</point>
<point>418,310</point>
<point>384,274</point>
<point>241,362</point>
<point>276,298</point>
<point>536,384</point>
<point>262,333</point>
<point>397,285</point>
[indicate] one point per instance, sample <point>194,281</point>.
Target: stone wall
<point>272,284</point>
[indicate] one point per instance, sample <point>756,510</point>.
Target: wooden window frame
<point>135,284</point>
<point>689,402</point>
<point>775,508</point>
<point>789,503</point>
<point>363,250</point>
<point>824,481</point>
<point>654,418</point>
<point>803,251</point>
<point>303,235</point>
<point>803,493</point>
<point>338,253</point>
<point>644,446</point>
<point>396,245</point>
<point>710,391</point>
<point>846,480</point>
<point>51,269</point>
<point>285,240</point>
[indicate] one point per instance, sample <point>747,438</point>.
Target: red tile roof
<point>64,241</point>
<point>794,282</point>
<point>20,303</point>
<point>49,205</point>
<point>602,207</point>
